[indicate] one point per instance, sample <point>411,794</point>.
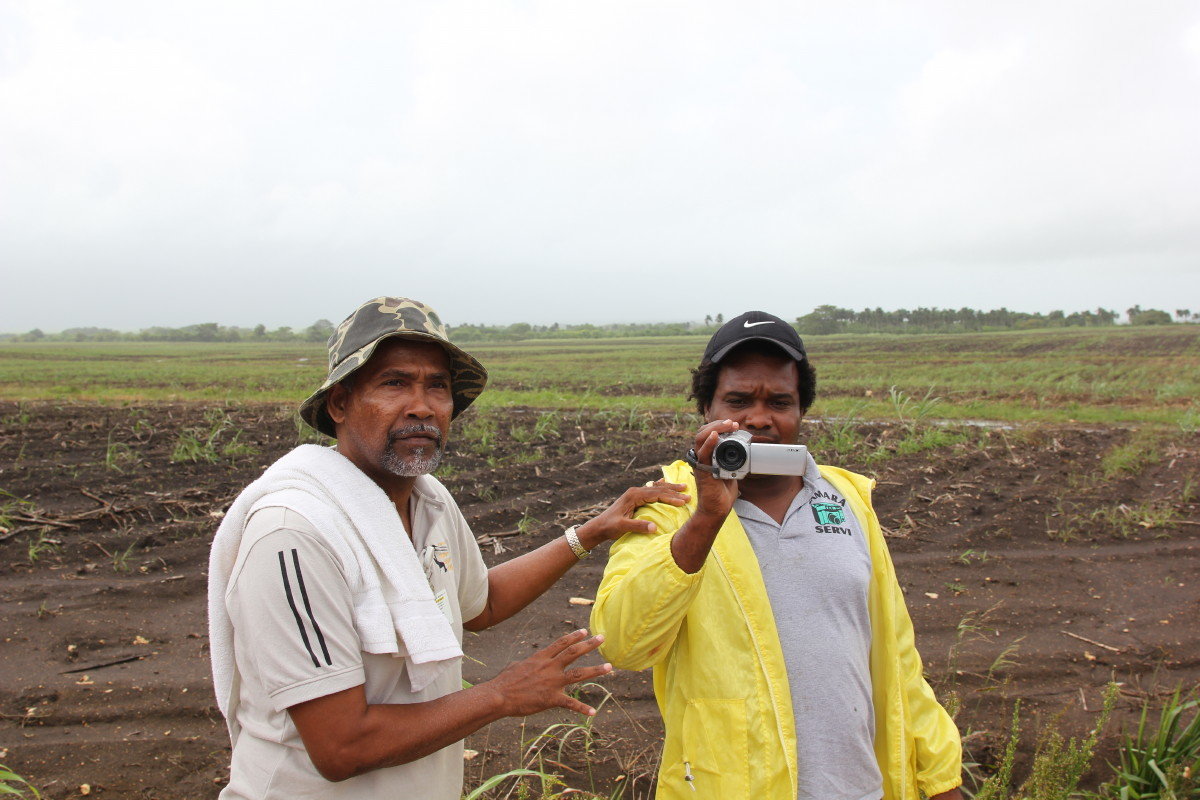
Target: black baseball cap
<point>750,326</point>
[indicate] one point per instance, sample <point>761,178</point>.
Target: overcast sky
<point>167,163</point>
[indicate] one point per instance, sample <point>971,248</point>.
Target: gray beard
<point>413,466</point>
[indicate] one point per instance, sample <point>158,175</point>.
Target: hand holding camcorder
<point>736,456</point>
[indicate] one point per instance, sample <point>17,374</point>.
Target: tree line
<point>831,319</point>
<point>824,319</point>
<point>319,331</point>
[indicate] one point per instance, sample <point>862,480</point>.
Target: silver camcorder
<point>736,456</point>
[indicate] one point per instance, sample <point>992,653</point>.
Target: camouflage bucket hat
<point>355,340</point>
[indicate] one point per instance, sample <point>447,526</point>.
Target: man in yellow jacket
<point>783,654</point>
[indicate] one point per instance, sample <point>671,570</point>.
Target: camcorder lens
<point>730,455</point>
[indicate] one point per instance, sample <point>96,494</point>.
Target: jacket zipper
<point>688,777</point>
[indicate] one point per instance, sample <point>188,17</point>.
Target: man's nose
<point>419,407</point>
<point>757,417</point>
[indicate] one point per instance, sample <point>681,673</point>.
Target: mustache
<point>396,434</point>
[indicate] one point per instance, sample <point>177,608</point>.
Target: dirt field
<point>1028,572</point>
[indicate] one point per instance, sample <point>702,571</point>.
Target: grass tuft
<point>41,546</point>
<point>1006,660</point>
<point>973,556</point>
<point>999,785</point>
<point>13,785</point>
<point>119,455</point>
<point>1126,520</point>
<point>547,780</point>
<point>1160,762</point>
<point>1141,451</point>
<point>121,559</point>
<point>1058,763</point>
<point>911,411</point>
<point>527,524</point>
<point>203,443</point>
<point>840,435</point>
<point>10,507</point>
<point>478,429</point>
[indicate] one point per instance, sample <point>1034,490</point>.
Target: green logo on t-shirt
<point>828,513</point>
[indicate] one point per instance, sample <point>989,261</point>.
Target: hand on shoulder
<point>617,520</point>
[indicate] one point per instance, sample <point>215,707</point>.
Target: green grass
<point>1161,761</point>
<point>974,626</point>
<point>211,441</point>
<point>546,780</point>
<point>1128,520</point>
<point>119,455</point>
<point>972,556</point>
<point>1120,519</point>
<point>41,546</point>
<point>10,507</point>
<point>18,418</point>
<point>840,434</point>
<point>552,746</point>
<point>1141,451</point>
<point>477,428</point>
<point>1058,763</point>
<point>1090,376</point>
<point>929,438</point>
<point>13,785</point>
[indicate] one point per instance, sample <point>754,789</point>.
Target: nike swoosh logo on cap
<point>749,324</point>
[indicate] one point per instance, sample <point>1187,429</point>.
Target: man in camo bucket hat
<point>341,581</point>
<point>355,340</point>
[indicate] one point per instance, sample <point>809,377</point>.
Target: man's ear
<point>335,403</point>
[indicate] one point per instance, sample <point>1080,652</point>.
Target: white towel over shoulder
<point>391,593</point>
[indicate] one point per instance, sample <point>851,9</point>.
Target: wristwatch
<point>573,541</point>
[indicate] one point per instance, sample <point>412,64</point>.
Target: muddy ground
<point>1028,572</point>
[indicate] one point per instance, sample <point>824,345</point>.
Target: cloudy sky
<point>279,162</point>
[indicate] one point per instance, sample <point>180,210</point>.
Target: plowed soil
<point>1029,574</point>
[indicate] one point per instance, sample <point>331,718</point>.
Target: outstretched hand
<point>346,736</point>
<point>617,520</point>
<point>537,683</point>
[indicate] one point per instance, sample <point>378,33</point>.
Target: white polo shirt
<point>294,640</point>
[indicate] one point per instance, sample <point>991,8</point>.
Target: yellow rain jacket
<point>719,672</point>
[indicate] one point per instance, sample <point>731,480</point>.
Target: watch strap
<point>691,458</point>
<point>576,546</point>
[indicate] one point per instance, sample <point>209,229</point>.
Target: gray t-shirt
<point>817,569</point>
<point>294,640</point>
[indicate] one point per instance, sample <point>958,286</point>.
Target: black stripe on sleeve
<point>287,588</point>
<point>308,609</point>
